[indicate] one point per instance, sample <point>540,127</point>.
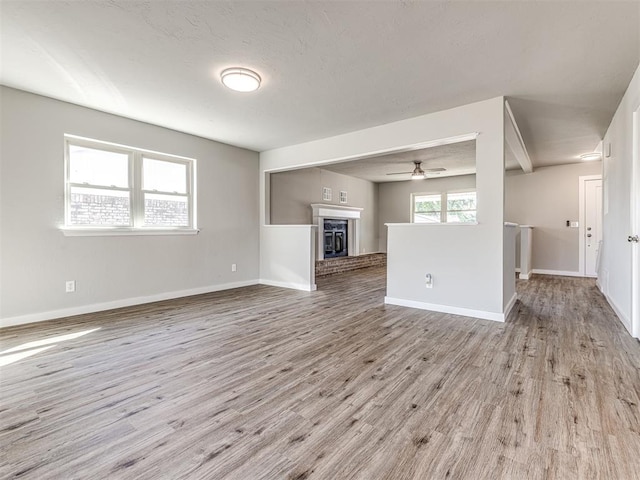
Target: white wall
<point>291,260</point>
<point>37,259</point>
<point>483,241</point>
<point>394,198</point>
<point>614,276</point>
<point>292,193</point>
<point>546,199</point>
<point>509,267</point>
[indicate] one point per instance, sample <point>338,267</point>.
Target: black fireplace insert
<point>335,238</point>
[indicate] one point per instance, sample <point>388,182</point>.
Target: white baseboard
<point>542,271</point>
<point>295,286</point>
<point>623,318</point>
<point>127,302</point>
<point>467,312</point>
<point>510,306</point>
<point>561,273</point>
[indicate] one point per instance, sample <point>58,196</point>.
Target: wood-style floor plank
<point>266,383</point>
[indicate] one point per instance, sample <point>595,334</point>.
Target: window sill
<point>111,231</point>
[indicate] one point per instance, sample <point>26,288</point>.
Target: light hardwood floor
<point>261,382</point>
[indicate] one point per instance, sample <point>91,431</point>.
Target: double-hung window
<point>120,189</point>
<point>447,207</point>
<point>427,208</point>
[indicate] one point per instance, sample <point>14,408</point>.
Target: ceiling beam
<point>514,140</point>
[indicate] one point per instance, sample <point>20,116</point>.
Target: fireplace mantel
<point>335,211</point>
<point>351,214</point>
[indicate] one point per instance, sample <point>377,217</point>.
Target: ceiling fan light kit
<point>418,173</point>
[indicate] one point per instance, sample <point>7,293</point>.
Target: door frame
<point>635,225</point>
<point>581,219</point>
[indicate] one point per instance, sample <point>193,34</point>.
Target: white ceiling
<point>456,158</point>
<point>330,67</point>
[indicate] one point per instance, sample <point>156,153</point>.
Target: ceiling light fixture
<point>588,157</point>
<point>240,79</point>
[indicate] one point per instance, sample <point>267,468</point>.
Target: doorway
<point>590,224</point>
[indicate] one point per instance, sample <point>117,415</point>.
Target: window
<point>112,187</point>
<point>427,208</point>
<point>459,207</point>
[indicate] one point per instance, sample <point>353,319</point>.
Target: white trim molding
<point>295,286</point>
<point>510,305</point>
<point>623,319</point>
<point>561,273</point>
<point>542,271</point>
<point>113,232</point>
<point>335,211</point>
<point>127,302</point>
<point>466,312</point>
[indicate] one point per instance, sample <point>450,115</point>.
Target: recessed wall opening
<point>436,184</point>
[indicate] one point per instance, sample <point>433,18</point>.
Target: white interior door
<point>592,225</point>
<point>635,227</point>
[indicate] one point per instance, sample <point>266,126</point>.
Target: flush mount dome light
<point>240,79</point>
<point>587,157</point>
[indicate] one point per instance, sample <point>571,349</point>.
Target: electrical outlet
<point>233,267</point>
<point>70,286</point>
<point>428,281</point>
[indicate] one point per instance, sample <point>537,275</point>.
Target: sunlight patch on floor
<point>28,349</point>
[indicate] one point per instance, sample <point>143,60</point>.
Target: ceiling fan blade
<point>437,169</point>
<point>400,173</point>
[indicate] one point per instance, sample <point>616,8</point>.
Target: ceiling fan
<point>418,173</point>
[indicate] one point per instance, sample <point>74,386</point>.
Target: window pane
<point>98,167</point>
<point>461,201</point>
<point>95,206</point>
<point>164,176</point>
<point>427,203</point>
<point>166,210</point>
<point>467,216</point>
<point>426,217</point>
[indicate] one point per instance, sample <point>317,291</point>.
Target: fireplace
<point>335,238</point>
<point>343,230</point>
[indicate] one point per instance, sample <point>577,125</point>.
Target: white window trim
<point>115,231</point>
<point>136,226</point>
<point>443,209</point>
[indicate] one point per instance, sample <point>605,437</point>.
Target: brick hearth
<point>344,264</point>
